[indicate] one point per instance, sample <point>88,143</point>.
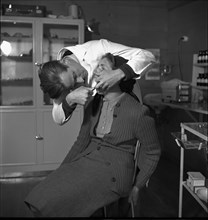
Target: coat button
<point>118,105</point>
<point>98,148</point>
<point>113,179</point>
<point>108,163</point>
<point>114,115</point>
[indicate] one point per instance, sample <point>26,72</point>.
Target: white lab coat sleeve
<point>139,60</point>
<point>78,50</point>
<point>58,114</point>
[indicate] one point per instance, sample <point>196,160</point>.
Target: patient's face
<point>103,64</point>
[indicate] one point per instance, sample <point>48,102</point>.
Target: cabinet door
<point>54,35</point>
<point>18,143</point>
<point>29,138</point>
<point>17,84</point>
<point>58,140</point>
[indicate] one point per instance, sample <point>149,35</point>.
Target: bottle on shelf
<point>202,79</point>
<point>202,56</point>
<point>198,79</point>
<point>199,58</point>
<point>206,79</point>
<point>206,56</point>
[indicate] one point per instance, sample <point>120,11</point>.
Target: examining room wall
<point>157,24</point>
<point>189,20</point>
<point>145,24</point>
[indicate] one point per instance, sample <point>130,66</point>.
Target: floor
<point>159,200</point>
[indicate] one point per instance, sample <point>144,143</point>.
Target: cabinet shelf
<point>24,113</point>
<point>199,87</point>
<point>189,144</point>
<point>65,40</point>
<point>202,203</point>
<point>198,128</point>
<point>17,82</point>
<point>15,39</point>
<point>23,103</point>
<point>23,58</point>
<point>199,72</point>
<point>201,64</point>
<point>199,131</point>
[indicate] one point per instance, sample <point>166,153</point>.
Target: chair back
<point>136,158</point>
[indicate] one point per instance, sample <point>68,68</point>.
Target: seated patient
<point>98,169</point>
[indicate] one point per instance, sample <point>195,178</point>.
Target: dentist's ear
<point>65,61</point>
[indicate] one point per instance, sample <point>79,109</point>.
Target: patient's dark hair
<point>125,85</point>
<point>50,81</point>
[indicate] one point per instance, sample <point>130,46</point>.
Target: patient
<point>98,169</point>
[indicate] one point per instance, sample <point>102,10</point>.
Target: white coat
<point>89,54</point>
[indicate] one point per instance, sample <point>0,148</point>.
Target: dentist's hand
<point>107,79</point>
<point>79,96</point>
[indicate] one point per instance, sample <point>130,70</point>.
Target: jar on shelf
<point>202,56</point>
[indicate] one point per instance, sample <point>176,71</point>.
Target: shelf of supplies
<point>199,129</point>
<point>22,103</point>
<point>18,38</point>
<point>199,87</point>
<point>202,203</point>
<point>194,107</point>
<point>192,136</point>
<point>201,64</point>
<point>190,143</point>
<point>65,40</point>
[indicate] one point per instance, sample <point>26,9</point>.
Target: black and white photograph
<point>104,109</point>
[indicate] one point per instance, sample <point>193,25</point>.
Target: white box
<point>198,187</point>
<point>196,178</point>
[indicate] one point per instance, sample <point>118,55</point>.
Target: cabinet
<point>198,70</point>
<point>199,79</point>
<point>192,136</point>
<point>30,140</point>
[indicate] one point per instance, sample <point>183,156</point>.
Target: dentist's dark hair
<point>50,80</point>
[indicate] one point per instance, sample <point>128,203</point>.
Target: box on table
<point>196,178</point>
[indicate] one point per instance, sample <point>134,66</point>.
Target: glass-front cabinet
<point>55,37</point>
<point>17,63</point>
<point>30,140</point>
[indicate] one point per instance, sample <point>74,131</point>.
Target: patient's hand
<point>133,197</point>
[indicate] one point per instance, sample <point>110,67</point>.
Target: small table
<point>155,100</point>
<point>199,130</point>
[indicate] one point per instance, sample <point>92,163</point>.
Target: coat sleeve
<point>150,149</point>
<point>62,112</point>
<point>83,138</point>
<point>139,60</point>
